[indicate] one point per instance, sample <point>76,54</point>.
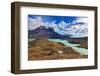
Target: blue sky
<point>67,19</point>
<point>77,26</point>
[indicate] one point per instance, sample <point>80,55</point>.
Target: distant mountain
<point>78,40</point>
<point>42,31</point>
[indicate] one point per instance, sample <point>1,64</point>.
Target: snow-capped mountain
<point>42,31</point>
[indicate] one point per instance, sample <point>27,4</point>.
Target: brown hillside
<point>42,49</point>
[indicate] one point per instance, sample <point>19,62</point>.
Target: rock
<point>46,52</point>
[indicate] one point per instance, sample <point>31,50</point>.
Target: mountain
<point>42,31</point>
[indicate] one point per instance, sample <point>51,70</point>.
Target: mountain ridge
<point>42,31</point>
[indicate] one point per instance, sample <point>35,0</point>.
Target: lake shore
<point>43,49</point>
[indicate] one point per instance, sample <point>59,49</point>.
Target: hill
<point>42,49</point>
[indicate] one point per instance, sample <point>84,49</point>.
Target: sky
<point>75,26</point>
<point>67,19</point>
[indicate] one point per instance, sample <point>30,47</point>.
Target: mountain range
<point>42,31</point>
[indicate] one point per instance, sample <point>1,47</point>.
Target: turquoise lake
<point>74,46</point>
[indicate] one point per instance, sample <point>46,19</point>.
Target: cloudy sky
<point>64,25</point>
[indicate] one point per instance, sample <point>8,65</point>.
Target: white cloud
<point>79,28</point>
<point>35,23</point>
<point>50,25</point>
<point>83,20</point>
<point>62,25</point>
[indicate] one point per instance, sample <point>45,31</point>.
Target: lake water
<point>74,46</point>
<point>66,43</point>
